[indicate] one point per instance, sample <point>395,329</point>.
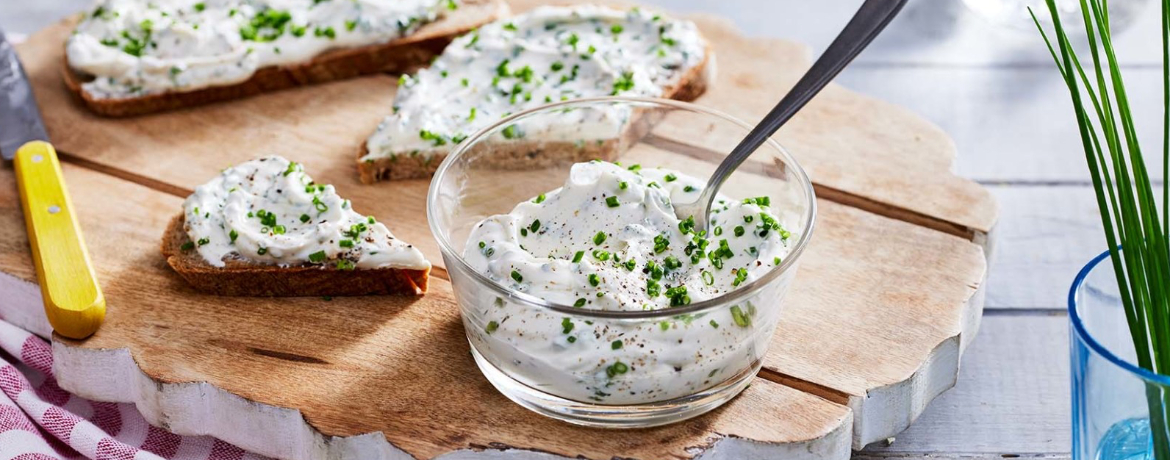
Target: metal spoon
<point>866,24</point>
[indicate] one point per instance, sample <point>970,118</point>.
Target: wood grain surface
<point>893,248</point>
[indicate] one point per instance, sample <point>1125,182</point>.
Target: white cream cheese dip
<point>549,54</point>
<point>141,47</point>
<point>269,211</point>
<point>609,240</point>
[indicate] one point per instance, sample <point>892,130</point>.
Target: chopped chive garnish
<point>203,241</point>
<point>631,264</point>
<point>671,177</point>
<point>577,257</point>
<point>623,185</point>
<point>345,264</point>
<point>740,319</point>
<point>345,243</point>
<point>317,256</point>
<point>671,263</point>
<point>664,325</point>
<point>262,251</point>
<point>660,244</point>
<point>233,235</point>
<point>571,339</point>
<point>594,280</point>
<point>305,218</point>
<point>535,226</point>
<point>739,230</point>
<point>616,345</point>
<point>652,288</point>
<point>566,326</point>
<point>539,199</point>
<point>740,276</point>
<point>775,261</point>
<point>523,231</point>
<point>611,201</point>
<point>718,231</point>
<point>516,276</point>
<point>635,167</point>
<point>491,327</point>
<point>708,278</point>
<point>616,29</point>
<point>599,238</point>
<point>279,229</point>
<point>601,255</point>
<point>187,246</point>
<point>616,368</point>
<point>714,324</point>
<point>482,244</point>
<point>689,188</point>
<point>579,303</point>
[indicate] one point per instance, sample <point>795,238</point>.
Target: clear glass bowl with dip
<point>612,312</point>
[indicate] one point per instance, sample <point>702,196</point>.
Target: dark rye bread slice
<point>534,154</point>
<point>243,278</point>
<point>397,56</point>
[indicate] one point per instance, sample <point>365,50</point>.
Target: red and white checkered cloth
<point>40,421</point>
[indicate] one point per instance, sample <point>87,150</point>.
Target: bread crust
<point>536,154</point>
<point>244,278</point>
<point>396,56</point>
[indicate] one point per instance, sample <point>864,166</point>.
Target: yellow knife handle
<point>73,300</point>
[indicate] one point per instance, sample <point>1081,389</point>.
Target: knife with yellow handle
<point>73,300</point>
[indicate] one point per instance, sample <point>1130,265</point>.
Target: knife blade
<point>20,121</point>
<point>73,300</point>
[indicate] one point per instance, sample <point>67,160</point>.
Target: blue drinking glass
<point>1112,397</point>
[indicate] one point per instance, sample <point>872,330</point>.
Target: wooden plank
<point>926,33</point>
<point>1012,397</point>
<point>1046,236</point>
<point>893,163</point>
<point>27,17</point>
<point>350,366</point>
<point>886,374</point>
<point>861,274</point>
<point>1010,124</point>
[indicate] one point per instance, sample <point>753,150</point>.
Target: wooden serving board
<point>888,295</point>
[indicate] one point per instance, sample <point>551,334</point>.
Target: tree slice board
<point>887,296</point>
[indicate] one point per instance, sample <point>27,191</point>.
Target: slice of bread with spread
<point>264,228</point>
<point>133,57</point>
<point>547,55</point>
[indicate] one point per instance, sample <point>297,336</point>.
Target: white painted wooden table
<point>995,91</point>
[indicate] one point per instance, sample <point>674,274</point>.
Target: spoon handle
<point>869,20</point>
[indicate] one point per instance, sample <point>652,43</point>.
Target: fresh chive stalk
<point>1137,237</point>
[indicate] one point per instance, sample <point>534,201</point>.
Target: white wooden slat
<point>1045,235</point>
<point>1010,124</point>
<point>926,33</point>
<point>1012,397</point>
<point>28,16</point>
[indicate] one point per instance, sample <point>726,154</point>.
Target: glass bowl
<point>560,360</point>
